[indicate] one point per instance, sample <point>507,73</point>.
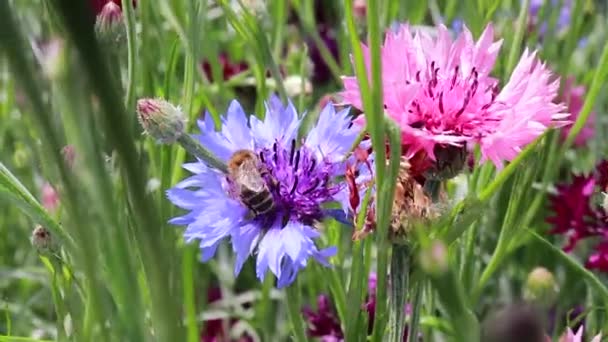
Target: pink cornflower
<point>441,94</point>
<point>570,336</point>
<point>574,95</point>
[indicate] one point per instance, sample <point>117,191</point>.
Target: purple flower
<point>300,179</point>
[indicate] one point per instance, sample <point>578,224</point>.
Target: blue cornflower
<point>300,176</point>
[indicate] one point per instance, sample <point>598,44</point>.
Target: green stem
<point>499,252</point>
<point>451,295</point>
<point>400,269</point>
<point>129,16</point>
<point>295,315</point>
<point>196,149</point>
<point>519,35</point>
<point>188,270</point>
<point>416,305</point>
<point>599,79</point>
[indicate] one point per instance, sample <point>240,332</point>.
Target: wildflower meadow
<point>304,170</point>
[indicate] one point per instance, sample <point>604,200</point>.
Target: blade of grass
<point>520,27</point>
<point>114,122</point>
<point>599,79</point>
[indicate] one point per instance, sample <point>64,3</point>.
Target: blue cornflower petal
<point>234,135</point>
<point>333,135</point>
<point>208,252</point>
<point>243,243</point>
<point>286,250</point>
<point>235,127</point>
<point>280,123</point>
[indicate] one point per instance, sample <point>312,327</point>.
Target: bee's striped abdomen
<point>258,202</point>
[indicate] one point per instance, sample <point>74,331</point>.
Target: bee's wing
<point>250,177</point>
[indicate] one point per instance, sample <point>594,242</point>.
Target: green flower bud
<point>161,120</point>
<point>541,287</point>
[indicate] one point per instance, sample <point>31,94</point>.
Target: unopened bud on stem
<point>541,287</point>
<point>161,120</point>
<point>110,24</point>
<point>165,122</point>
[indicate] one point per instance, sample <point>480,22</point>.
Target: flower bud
<point>109,26</point>
<point>49,197</point>
<point>42,240</point>
<point>434,258</point>
<point>541,287</point>
<point>161,120</point>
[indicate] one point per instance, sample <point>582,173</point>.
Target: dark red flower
<point>573,214</point>
<point>577,216</point>
<point>229,68</point>
<point>323,322</point>
<point>599,259</point>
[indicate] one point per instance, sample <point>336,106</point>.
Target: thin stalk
<point>189,80</point>
<point>416,305</point>
<point>451,296</point>
<point>518,37</point>
<point>295,316</point>
<point>503,176</point>
<point>599,79</point>
<point>127,6</point>
<point>385,203</point>
<point>188,270</point>
<point>400,269</point>
<point>196,149</point>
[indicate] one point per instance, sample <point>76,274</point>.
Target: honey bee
<point>245,171</point>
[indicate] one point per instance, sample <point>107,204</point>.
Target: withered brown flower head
<point>411,204</point>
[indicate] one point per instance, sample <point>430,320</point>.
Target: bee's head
<point>238,158</point>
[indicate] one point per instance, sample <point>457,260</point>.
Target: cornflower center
<point>451,103</point>
<point>298,181</point>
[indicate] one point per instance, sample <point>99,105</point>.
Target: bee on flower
<point>275,191</point>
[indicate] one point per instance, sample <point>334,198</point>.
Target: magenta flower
<point>576,216</point>
<point>573,214</point>
<point>574,96</point>
<point>441,94</point>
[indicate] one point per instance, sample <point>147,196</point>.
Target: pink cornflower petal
<point>441,93</point>
<point>570,336</point>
